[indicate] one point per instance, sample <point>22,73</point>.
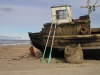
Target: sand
<point>16,60</point>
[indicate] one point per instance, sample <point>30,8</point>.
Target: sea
<point>13,42</point>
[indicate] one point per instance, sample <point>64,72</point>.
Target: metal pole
<point>89,8</point>
<point>89,12</point>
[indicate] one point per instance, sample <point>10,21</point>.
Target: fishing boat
<point>64,31</point>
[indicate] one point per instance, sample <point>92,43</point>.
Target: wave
<point>14,42</point>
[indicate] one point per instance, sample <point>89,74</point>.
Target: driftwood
<point>73,54</point>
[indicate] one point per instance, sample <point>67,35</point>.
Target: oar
<point>46,44</point>
<point>49,59</point>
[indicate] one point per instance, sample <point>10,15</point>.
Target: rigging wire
<point>93,9</point>
<point>96,2</point>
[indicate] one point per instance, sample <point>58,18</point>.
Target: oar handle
<point>49,60</point>
<point>46,44</point>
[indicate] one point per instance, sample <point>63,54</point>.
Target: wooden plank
<point>95,30</point>
<point>91,48</point>
<point>76,36</point>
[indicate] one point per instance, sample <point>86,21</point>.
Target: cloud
<point>5,9</point>
<point>25,16</point>
<point>13,37</point>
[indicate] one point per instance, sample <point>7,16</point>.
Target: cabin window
<point>61,14</point>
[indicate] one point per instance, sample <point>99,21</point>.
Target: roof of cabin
<point>60,6</point>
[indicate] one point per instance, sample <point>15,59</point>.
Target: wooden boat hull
<point>90,43</point>
<point>67,34</point>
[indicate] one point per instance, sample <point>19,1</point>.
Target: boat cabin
<point>61,14</point>
<point>62,17</point>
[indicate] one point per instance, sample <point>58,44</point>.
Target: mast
<point>91,8</point>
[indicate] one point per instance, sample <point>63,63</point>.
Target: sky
<point>18,17</point>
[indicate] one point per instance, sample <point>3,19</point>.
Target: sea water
<point>14,42</point>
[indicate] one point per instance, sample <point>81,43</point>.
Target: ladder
<point>49,59</point>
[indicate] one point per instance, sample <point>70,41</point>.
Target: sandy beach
<point>16,60</point>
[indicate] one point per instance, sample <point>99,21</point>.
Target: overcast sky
<point>18,17</point>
